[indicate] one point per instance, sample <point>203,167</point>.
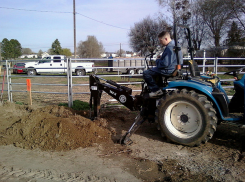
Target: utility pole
<point>120,51</point>
<point>0,52</point>
<point>74,22</point>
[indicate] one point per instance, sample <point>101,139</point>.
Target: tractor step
<point>238,120</point>
<point>235,123</point>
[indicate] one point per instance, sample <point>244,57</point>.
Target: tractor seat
<point>176,74</point>
<point>162,81</point>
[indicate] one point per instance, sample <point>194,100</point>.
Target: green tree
<point>11,49</point>
<point>235,41</point>
<point>6,47</point>
<point>56,48</point>
<point>91,48</point>
<point>16,48</point>
<point>66,52</point>
<point>234,34</point>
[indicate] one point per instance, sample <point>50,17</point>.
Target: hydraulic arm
<point>118,92</point>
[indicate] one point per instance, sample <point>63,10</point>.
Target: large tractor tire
<point>186,117</point>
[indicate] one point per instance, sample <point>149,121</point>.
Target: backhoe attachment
<point>122,94</point>
<point>118,92</point>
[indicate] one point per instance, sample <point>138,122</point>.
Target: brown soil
<point>43,139</point>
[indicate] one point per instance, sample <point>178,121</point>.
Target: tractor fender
<point>205,89</point>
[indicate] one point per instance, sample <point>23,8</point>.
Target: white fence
<point>7,85</point>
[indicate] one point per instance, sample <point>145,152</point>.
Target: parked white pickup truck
<point>57,64</point>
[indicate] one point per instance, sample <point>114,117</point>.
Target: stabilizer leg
<point>95,104</point>
<point>95,97</point>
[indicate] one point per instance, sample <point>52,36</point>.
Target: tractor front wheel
<point>186,117</point>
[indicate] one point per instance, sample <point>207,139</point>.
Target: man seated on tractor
<point>165,65</point>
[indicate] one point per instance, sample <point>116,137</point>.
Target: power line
<point>115,44</point>
<point>35,10</point>
<point>41,11</point>
<point>102,22</point>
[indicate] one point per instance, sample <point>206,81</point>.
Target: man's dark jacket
<point>166,64</point>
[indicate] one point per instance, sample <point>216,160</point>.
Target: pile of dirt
<point>49,128</point>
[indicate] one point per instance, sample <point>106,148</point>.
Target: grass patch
<point>229,76</point>
<point>19,103</point>
<point>230,91</point>
<point>77,105</point>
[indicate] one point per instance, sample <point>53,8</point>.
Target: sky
<point>37,23</point>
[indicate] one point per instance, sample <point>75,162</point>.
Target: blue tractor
<point>189,110</point>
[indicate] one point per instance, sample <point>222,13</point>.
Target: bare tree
<point>40,52</point>
<point>238,8</point>
<point>90,48</point>
<point>26,51</point>
<point>217,15</point>
<point>144,35</point>
<point>120,52</point>
<point>179,9</point>
<point>198,26</point>
<point>186,12</point>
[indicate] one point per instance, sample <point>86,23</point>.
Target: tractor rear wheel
<point>186,117</point>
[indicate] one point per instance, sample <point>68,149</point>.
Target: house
<point>108,54</point>
<point>29,56</point>
<point>44,54</point>
<point>127,55</point>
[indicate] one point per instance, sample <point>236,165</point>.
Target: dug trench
<point>56,143</point>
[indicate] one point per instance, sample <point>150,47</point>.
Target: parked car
<point>18,68</point>
<point>57,64</point>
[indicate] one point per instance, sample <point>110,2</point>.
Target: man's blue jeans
<point>149,77</point>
